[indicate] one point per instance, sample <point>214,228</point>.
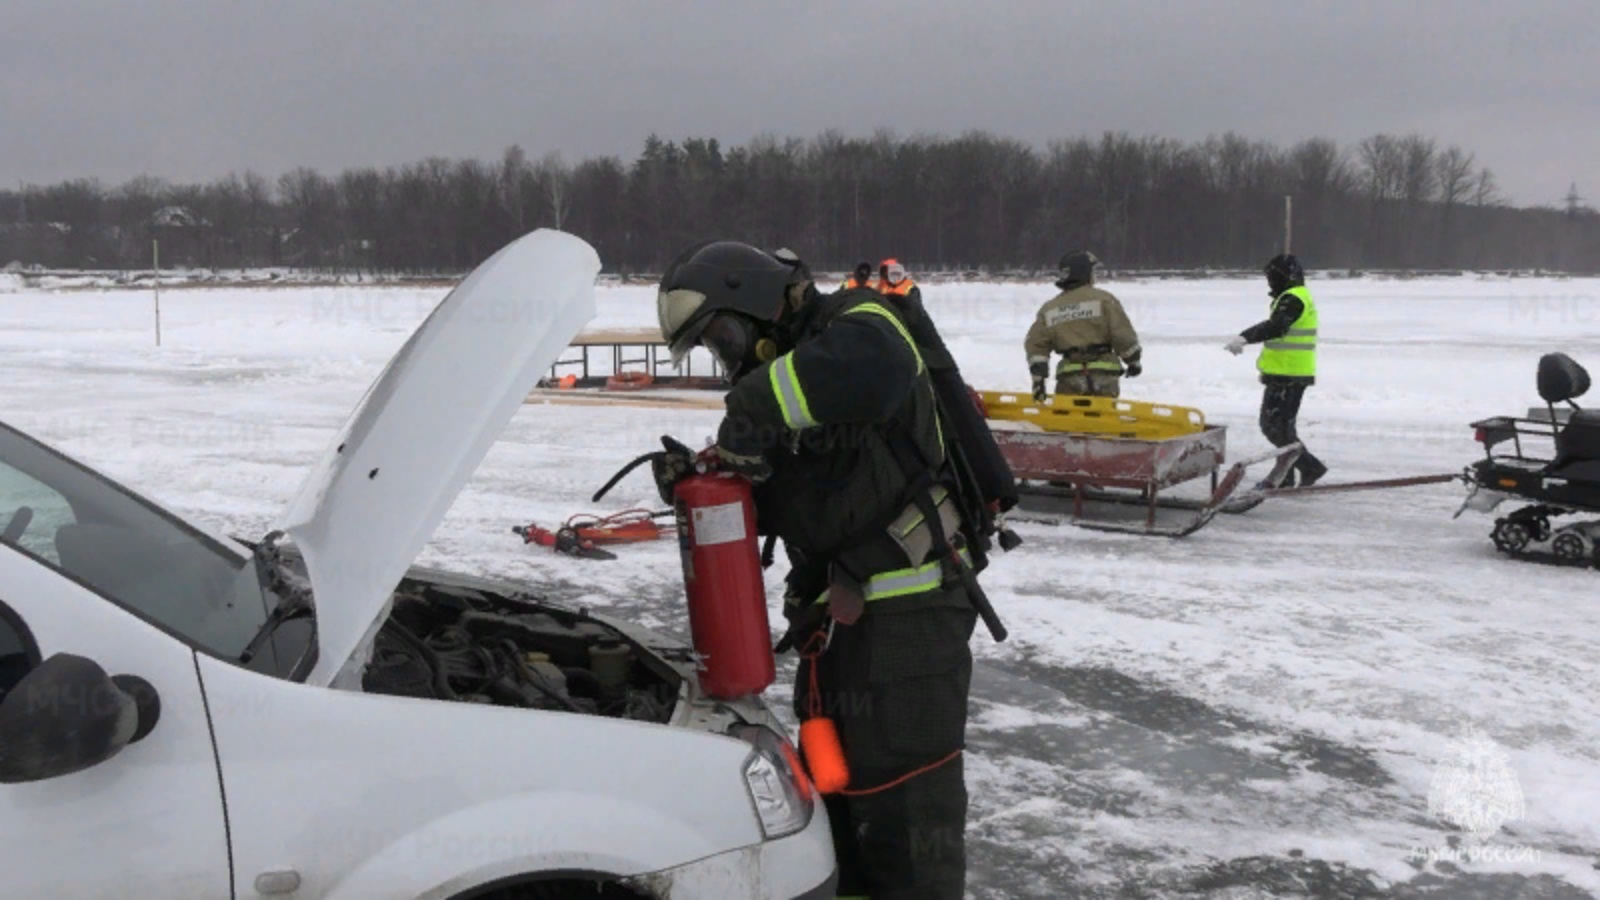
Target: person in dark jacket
<point>1288,360</point>
<point>832,415</point>
<point>860,277</point>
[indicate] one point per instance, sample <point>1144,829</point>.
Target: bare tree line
<point>977,201</point>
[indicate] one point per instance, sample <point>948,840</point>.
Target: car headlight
<point>778,785</point>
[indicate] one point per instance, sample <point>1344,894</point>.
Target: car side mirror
<point>67,714</point>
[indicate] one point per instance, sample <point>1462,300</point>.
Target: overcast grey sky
<point>192,90</point>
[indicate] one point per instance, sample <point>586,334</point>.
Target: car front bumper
<point>798,867</point>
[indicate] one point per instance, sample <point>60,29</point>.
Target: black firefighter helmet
<point>727,296</point>
<point>1283,272</point>
<point>1076,267</point>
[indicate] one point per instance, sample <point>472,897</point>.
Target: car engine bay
<point>446,642</point>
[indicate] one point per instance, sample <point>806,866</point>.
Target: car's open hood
<point>375,497</point>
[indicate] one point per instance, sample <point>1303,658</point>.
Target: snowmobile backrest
<point>1561,378</point>
<point>1579,439</point>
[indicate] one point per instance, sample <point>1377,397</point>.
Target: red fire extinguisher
<point>722,577</point>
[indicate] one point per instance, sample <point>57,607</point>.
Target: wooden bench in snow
<point>631,337</point>
<point>629,350</point>
<point>646,399</point>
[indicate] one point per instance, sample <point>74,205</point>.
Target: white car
<point>307,716</point>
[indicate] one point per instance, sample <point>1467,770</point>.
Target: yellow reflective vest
<point>1296,352</point>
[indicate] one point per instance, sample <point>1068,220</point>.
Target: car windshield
<point>101,535</point>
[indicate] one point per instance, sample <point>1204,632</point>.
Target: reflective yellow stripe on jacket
<point>791,397</point>
<point>905,582</point>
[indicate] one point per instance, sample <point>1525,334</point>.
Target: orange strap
<point>864,792</point>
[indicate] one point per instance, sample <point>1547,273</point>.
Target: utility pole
<point>155,263</point>
<point>1288,221</point>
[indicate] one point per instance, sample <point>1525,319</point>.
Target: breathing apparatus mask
<point>738,342</point>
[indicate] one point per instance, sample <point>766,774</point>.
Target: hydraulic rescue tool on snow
<point>583,535</point>
<point>1563,482</point>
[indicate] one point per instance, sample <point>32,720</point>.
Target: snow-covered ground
<point>1261,707</point>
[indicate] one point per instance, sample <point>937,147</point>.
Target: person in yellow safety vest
<point>1091,331</point>
<point>860,278</point>
<point>1288,360</point>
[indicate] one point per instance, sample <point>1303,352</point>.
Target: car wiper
<point>292,600</point>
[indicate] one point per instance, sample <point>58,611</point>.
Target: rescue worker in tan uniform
<point>1090,330</point>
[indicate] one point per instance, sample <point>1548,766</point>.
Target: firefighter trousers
<point>1089,383</point>
<point>895,683</point>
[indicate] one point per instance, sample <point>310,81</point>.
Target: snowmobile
<point>1565,482</point>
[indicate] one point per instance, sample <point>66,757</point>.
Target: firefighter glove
<point>741,447</point>
<point>1133,369</point>
<point>1040,371</point>
<point>754,468</point>
<point>1235,345</point>
<point>804,617</point>
<point>671,466</point>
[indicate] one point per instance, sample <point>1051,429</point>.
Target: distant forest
<point>974,202</point>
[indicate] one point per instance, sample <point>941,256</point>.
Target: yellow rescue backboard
<point>1108,416</point>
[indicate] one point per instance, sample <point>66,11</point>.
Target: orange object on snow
<point>583,534</point>
<point>627,527</point>
<point>819,742</point>
<point>630,381</point>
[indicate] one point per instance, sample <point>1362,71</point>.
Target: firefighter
<point>1090,330</point>
<point>832,415</point>
<point>1288,360</point>
<point>860,278</point>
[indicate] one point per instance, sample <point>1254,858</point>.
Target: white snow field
<point>1261,708</point>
